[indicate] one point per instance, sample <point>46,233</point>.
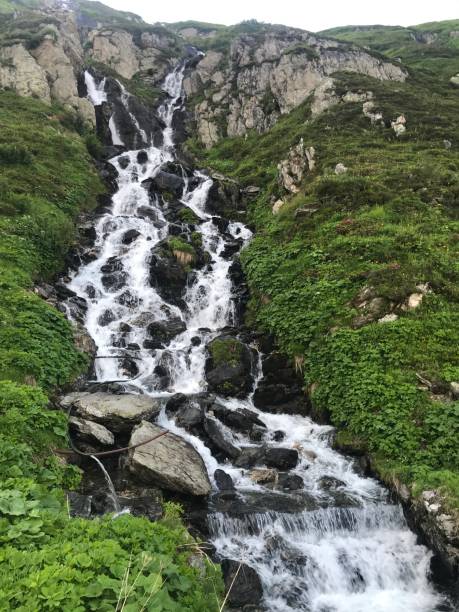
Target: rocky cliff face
<point>263,75</point>
<point>43,52</point>
<point>248,83</point>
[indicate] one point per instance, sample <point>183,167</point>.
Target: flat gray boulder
<point>170,461</point>
<point>119,413</point>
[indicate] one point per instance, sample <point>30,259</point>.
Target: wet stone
<point>130,236</point>
<point>106,318</point>
<point>281,458</point>
<point>223,480</point>
<point>242,583</point>
<point>142,157</point>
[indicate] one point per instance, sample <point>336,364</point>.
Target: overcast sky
<point>313,15</point>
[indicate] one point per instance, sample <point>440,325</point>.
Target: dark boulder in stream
<point>242,583</point>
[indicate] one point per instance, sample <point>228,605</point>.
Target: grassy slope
<point>48,561</point>
<point>390,222</point>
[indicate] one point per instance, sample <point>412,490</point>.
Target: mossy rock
<point>229,367</point>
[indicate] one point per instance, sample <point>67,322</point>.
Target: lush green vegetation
<point>48,560</point>
<point>225,351</point>
<point>387,225</point>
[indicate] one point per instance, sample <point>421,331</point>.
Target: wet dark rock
<point>175,402</point>
<point>162,332</point>
<point>79,505</point>
<point>280,389</point>
<point>130,236</point>
<point>142,157</point>
<point>140,501</point>
<point>196,341</point>
<point>133,346</point>
<point>280,398</point>
<point>256,502</point>
<point>229,367</point>
<point>281,458</point>
<point>329,483</point>
<point>127,299</point>
<point>105,318</point>
<point>190,416</point>
<point>257,433</point>
<point>63,292</point>
<point>250,456</point>
<point>221,224</point>
<point>278,435</point>
<point>168,182</point>
<point>242,420</point>
<point>290,482</point>
<point>223,480</point>
<point>231,248</point>
<point>129,367</point>
<point>242,583</point>
<point>236,273</point>
<point>224,197</point>
<point>220,438</point>
<point>168,276</point>
<point>124,162</point>
<point>146,212</point>
<point>125,328</point>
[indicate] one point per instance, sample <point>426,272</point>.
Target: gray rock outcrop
<point>170,461</point>
<point>299,161</point>
<point>269,74</point>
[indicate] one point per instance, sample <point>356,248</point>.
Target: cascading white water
<point>111,488</point>
<point>347,548</point>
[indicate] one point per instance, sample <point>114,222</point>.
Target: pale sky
<point>313,15</point>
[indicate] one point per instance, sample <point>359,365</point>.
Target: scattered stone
<point>399,125</point>
<point>277,206</point>
<point>388,318</point>
<point>454,386</point>
<point>414,300</point>
<point>170,461</point>
<point>340,169</point>
<point>447,144</point>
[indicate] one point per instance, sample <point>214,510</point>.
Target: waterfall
<point>344,546</point>
<point>111,488</point>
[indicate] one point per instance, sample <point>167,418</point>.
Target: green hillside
<point>388,225</point>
